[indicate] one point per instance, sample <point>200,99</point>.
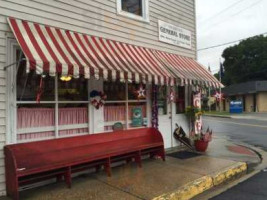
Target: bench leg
<point>128,160</point>
<point>151,155</point>
<point>162,154</point>
<point>98,168</point>
<point>13,192</point>
<point>138,159</point>
<point>67,177</point>
<point>108,167</point>
<point>59,178</point>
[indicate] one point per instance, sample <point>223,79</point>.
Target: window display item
<point>97,98</point>
<point>137,117</point>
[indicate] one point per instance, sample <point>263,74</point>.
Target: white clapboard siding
<point>3,29</point>
<point>93,17</point>
<point>46,13</point>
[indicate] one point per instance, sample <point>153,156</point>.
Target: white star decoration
<point>141,92</point>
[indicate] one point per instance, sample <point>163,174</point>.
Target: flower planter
<point>201,145</point>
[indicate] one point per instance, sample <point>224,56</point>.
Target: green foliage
<point>193,112</point>
<point>246,61</point>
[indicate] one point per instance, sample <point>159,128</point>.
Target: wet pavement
<point>246,131</point>
<point>223,147</point>
<point>130,182</point>
<point>157,177</point>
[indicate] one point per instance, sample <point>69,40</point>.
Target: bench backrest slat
<point>60,150</point>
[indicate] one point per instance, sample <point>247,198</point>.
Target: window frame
<point>127,101</point>
<point>12,98</point>
<point>145,12</point>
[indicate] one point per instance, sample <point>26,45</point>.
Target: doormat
<point>183,154</point>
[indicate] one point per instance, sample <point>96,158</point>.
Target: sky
<point>223,21</point>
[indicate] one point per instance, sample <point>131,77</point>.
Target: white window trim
<point>12,131</point>
<point>128,121</point>
<point>145,12</point>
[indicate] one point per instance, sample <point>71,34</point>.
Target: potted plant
<point>201,140</point>
<point>193,113</point>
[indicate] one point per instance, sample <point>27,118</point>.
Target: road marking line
<point>236,123</point>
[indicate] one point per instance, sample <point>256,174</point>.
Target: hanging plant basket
<point>201,145</point>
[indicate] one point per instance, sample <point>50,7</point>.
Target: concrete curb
<point>220,116</point>
<point>204,183</point>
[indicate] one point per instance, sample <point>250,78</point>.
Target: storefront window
<point>62,108</point>
<point>43,113</point>
<point>73,90</point>
<point>162,100</point>
<point>30,84</point>
<point>115,91</point>
<point>180,99</point>
<point>120,102</point>
<point>136,91</point>
<point>137,114</point>
<point>114,113</point>
<point>35,121</point>
<point>72,119</point>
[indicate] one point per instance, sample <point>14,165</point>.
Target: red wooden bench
<point>27,163</point>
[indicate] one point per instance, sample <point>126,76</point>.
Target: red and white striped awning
<point>190,71</point>
<point>57,51</point>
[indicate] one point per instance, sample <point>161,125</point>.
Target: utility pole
<point>220,88</point>
<point>209,91</point>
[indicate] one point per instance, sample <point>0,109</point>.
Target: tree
<point>246,61</point>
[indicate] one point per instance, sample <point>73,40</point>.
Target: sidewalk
<point>174,179</point>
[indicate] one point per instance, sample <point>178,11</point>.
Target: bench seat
<point>27,163</point>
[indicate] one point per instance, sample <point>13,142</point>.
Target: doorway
<point>165,116</point>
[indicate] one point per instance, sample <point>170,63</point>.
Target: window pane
<point>162,100</point>
<point>133,91</point>
<point>137,114</point>
<point>70,115</point>
<point>28,85</point>
<point>180,101</point>
<point>115,91</point>
<point>32,118</point>
<point>132,6</point>
<point>114,113</point>
<point>73,90</point>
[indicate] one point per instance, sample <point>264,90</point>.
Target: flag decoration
<point>171,96</point>
<point>218,96</point>
<point>221,70</point>
<point>40,91</point>
<point>155,121</point>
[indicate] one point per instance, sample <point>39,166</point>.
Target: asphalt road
<point>254,188</point>
<point>250,131</point>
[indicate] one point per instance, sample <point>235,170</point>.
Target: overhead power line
<point>237,13</point>
<point>222,11</point>
<point>219,45</point>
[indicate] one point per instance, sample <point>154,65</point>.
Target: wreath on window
<point>97,98</point>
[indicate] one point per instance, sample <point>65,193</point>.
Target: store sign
<point>174,35</point>
<point>236,107</point>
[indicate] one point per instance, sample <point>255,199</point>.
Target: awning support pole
<point>17,62</point>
